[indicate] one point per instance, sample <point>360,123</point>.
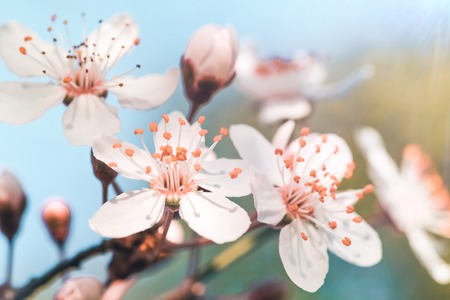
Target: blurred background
<point>407,101</point>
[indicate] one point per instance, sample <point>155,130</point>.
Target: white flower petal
<point>365,248</point>
<point>277,110</point>
<point>306,262</point>
<point>217,178</point>
<point>145,92</point>
<point>422,245</point>
<point>131,167</point>
<point>214,217</point>
<point>268,202</point>
<point>12,36</point>
<point>201,44</point>
<point>88,116</point>
<point>253,147</point>
<point>283,135</point>
<point>128,213</point>
<point>114,38</point>
<point>22,102</point>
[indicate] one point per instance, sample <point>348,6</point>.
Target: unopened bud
<point>208,62</point>
<point>176,232</point>
<point>56,216</point>
<point>103,173</point>
<point>12,204</point>
<point>80,288</point>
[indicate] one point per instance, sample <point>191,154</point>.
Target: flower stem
<point>117,188</point>
<point>9,265</point>
<point>166,225</point>
<point>105,192</point>
<point>193,111</point>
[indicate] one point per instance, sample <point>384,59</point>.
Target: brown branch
<point>74,262</point>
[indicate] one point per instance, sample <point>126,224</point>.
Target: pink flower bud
<point>56,216</point>
<point>208,63</point>
<point>85,288</point>
<point>12,204</point>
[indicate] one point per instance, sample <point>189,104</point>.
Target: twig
<point>74,262</point>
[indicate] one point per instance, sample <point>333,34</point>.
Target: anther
<point>181,121</point>
<point>324,138</point>
<point>357,219</point>
<point>117,145</point>
<point>287,163</point>
<point>136,41</point>
<point>224,131</point>
<point>300,159</point>
<point>67,79</point>
<point>201,120</point>
<point>129,152</point>
<point>153,127</point>
<point>197,167</point>
<point>167,135</point>
<point>139,131</point>
<point>196,153</point>
<point>23,50</point>
<point>317,148</point>
<point>148,169</point>
<point>49,29</point>
<point>350,209</point>
<point>368,189</point>
<point>27,38</point>
<point>346,241</point>
<point>360,195</point>
<point>166,118</point>
<point>112,165</point>
<point>304,131</point>
<point>235,173</point>
<point>293,207</point>
<point>312,173</point>
<point>53,18</point>
<point>203,132</point>
<point>332,224</point>
<point>302,143</point>
<point>217,138</point>
<point>304,236</point>
<point>65,22</point>
<point>279,152</point>
<point>297,179</point>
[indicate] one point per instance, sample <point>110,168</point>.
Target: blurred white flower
<point>78,78</point>
<point>286,89</point>
<point>180,178</point>
<point>413,196</point>
<point>208,62</point>
<point>295,190</point>
<point>80,288</point>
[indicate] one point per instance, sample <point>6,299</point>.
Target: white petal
<point>128,213</point>
<point>365,248</point>
<point>22,102</point>
<point>185,136</point>
<point>217,178</point>
<point>145,92</point>
<point>131,167</point>
<point>88,116</point>
<point>253,147</point>
<point>54,62</point>
<point>277,110</point>
<point>422,245</point>
<point>306,262</point>
<point>214,217</point>
<point>268,202</point>
<point>115,37</point>
<point>283,135</point>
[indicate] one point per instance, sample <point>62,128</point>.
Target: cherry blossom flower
<point>295,191</point>
<point>413,196</point>
<point>77,78</point>
<point>208,62</point>
<point>287,89</point>
<point>180,179</point>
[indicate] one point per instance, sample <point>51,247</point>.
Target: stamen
<point>67,79</point>
<point>302,143</point>
<point>129,152</point>
<point>181,121</point>
<point>357,219</point>
<point>279,152</point>
<point>23,50</point>
<point>224,131</point>
<point>332,224</point>
<point>297,179</point>
<point>346,241</point>
<point>304,236</point>
<point>197,167</point>
<point>317,148</point>
<point>324,138</point>
<point>138,131</point>
<point>203,132</point>
<point>217,138</point>
<point>167,135</point>
<point>148,169</point>
<point>117,145</point>
<point>136,41</point>
<point>235,173</point>
<point>368,189</point>
<point>27,38</point>
<point>166,118</point>
<point>112,165</point>
<point>153,127</point>
<point>350,209</point>
<point>304,131</point>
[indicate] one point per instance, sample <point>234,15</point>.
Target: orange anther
<point>287,163</point>
<point>310,210</point>
<point>156,155</point>
<point>360,196</point>
<point>148,169</point>
<point>278,151</point>
<point>324,167</point>
<point>368,189</point>
<point>139,131</point>
<point>235,173</point>
<point>322,199</point>
<point>23,50</point>
<point>224,131</point>
<point>304,131</point>
<point>112,165</point>
<point>166,118</point>
<point>136,41</point>
<point>65,22</point>
<point>336,150</point>
<point>317,148</point>
<point>196,153</point>
<point>27,38</point>
<point>67,79</point>
<point>129,152</point>
<point>350,209</point>
<point>201,120</point>
<point>302,143</point>
<point>304,236</point>
<point>346,241</point>
<point>293,207</point>
<point>197,167</point>
<point>332,224</point>
<point>217,138</point>
<point>181,121</point>
<point>297,179</point>
<point>203,132</point>
<point>167,135</point>
<point>324,138</point>
<point>153,127</point>
<point>117,145</point>
<point>300,159</point>
<point>49,28</point>
<point>312,173</point>
<point>357,219</point>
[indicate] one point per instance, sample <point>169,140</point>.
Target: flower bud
<point>56,216</point>
<point>12,204</point>
<point>80,288</point>
<point>103,173</point>
<point>175,234</point>
<point>208,62</point>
